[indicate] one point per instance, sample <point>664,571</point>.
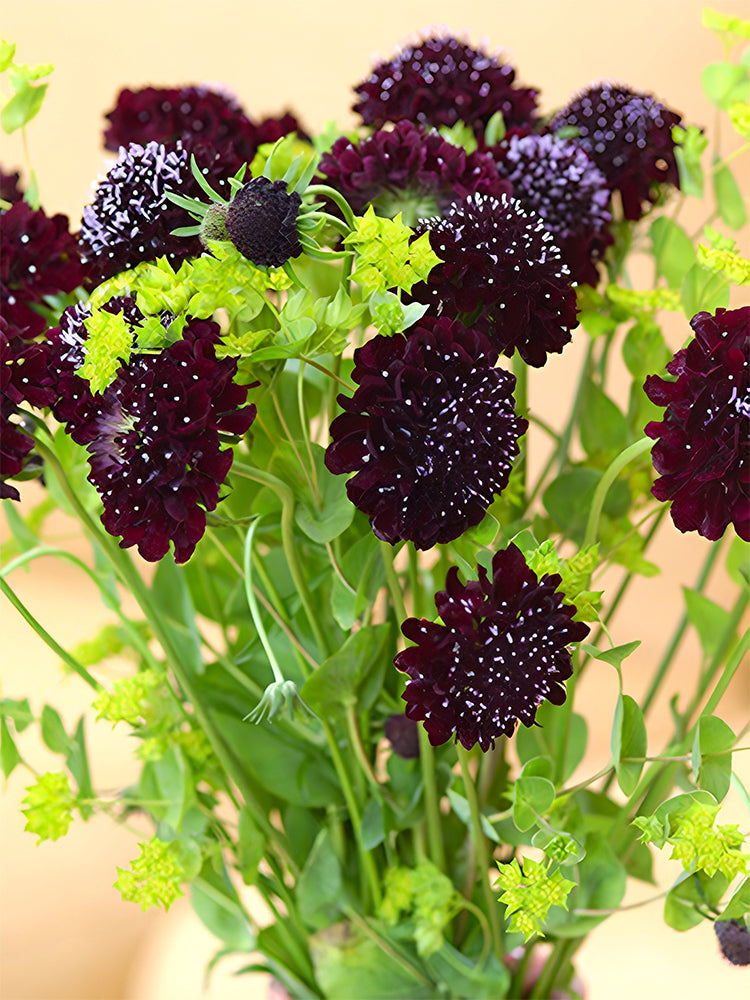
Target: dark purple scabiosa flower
<point>502,650</point>
<point>703,443</point>
<point>734,941</point>
<point>38,257</point>
<point>441,81</point>
<point>10,186</point>
<point>502,270</point>
<point>628,134</point>
<point>155,435</point>
<point>407,169</point>
<point>192,116</point>
<point>559,181</point>
<point>403,736</point>
<point>131,219</point>
<point>431,432</point>
<point>23,379</point>
<point>261,222</point>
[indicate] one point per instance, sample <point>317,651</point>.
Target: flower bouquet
<point>282,380</point>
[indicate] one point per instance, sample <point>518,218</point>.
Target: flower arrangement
<point>282,380</point>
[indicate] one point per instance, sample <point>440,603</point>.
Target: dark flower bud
<point>403,735</point>
<point>262,222</point>
<point>734,941</point>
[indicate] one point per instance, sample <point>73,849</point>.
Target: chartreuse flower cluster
<point>299,375</point>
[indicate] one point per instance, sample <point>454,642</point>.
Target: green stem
<point>369,871</point>
<point>253,604</point>
<point>521,393</point>
<point>433,817</point>
<point>731,667</point>
<point>562,952</point>
<point>633,451</point>
<point>43,634</point>
<point>481,849</point>
<point>286,496</point>
<point>666,660</point>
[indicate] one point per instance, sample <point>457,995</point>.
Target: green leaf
<point>672,249</point>
<point>724,83</point>
<point>334,684</point>
<point>712,756</point>
<point>53,731</point>
<point>628,740</point>
<point>348,964</point>
<point>532,796</point>
<point>568,498</point>
<point>22,107</point>
<point>703,290</point>
<point>18,710</point>
<point>738,906</point>
<point>10,758</point>
<point>23,535</point>
<point>708,619</point>
<point>171,598</point>
<point>217,905</point>
<point>460,806</point>
<point>167,786</point>
<point>738,562</point>
<point>729,200</point>
<point>559,736</point>
<point>644,349</point>
<point>615,656</point>
<point>690,144</point>
<point>250,846</point>
<point>291,770</point>
<point>683,904</point>
<point>373,824</point>
<point>325,517</point>
<point>602,426</point>
<point>601,885</point>
<point>7,51</point>
<point>77,762</point>
<point>319,887</point>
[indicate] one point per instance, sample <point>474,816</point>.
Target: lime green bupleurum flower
<point>49,806</point>
<point>529,892</point>
<point>154,878</point>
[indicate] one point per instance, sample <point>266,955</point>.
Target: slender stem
<point>366,859</point>
<point>562,951</point>
<point>731,667</point>
<point>43,634</point>
<point>286,496</point>
<point>633,451</point>
<point>521,371</point>
<point>433,818</point>
<point>260,628</point>
<point>666,660</point>
<point>480,847</point>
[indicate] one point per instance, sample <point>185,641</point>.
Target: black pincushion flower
<point>131,218</point>
<point>502,650</point>
<point>734,941</point>
<point>407,169</point>
<point>191,115</point>
<point>703,443</point>
<point>38,257</point>
<point>559,181</point>
<point>154,436</point>
<point>628,134</point>
<point>261,222</point>
<point>441,81</point>
<point>501,269</point>
<point>23,379</point>
<point>431,432</point>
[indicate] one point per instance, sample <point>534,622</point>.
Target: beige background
<point>65,933</point>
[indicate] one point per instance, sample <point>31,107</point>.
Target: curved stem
<point>632,452</point>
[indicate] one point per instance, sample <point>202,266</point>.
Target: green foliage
<point>28,95</point>
<point>424,895</point>
<point>49,806</point>
<point>134,700</point>
<point>690,144</point>
<point>387,254</point>
<point>629,743</point>
<point>154,877</point>
<point>575,576</point>
<point>530,890</point>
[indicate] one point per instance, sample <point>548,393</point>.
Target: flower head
<point>559,181</point>
<point>10,186</point>
<point>23,379</point>
<point>154,436</point>
<point>407,169</point>
<point>502,650</point>
<point>38,257</point>
<point>131,219</point>
<point>503,270</point>
<point>628,134</point>
<point>734,941</point>
<point>441,81</point>
<point>262,222</point>
<point>191,115</point>
<point>703,443</point>
<point>431,432</point>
